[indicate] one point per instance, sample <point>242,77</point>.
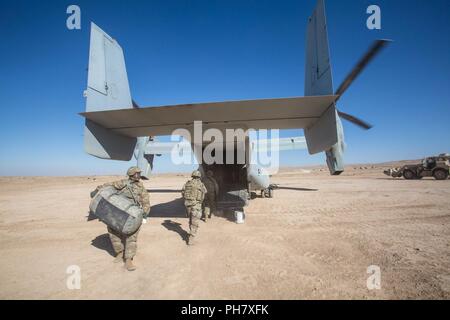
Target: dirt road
<point>314,240</point>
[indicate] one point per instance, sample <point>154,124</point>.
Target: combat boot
<point>190,241</point>
<point>129,265</point>
<point>119,257</point>
<point>206,214</point>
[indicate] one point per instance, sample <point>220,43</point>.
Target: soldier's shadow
<point>103,242</point>
<point>171,209</point>
<point>176,227</point>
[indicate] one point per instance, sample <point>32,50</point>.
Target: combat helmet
<point>133,170</point>
<point>196,174</point>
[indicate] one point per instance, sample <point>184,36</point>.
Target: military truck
<point>437,167</point>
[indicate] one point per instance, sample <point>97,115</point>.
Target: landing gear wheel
<point>440,174</point>
<point>409,175</point>
<point>267,193</point>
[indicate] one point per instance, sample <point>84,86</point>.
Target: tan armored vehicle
<point>437,167</point>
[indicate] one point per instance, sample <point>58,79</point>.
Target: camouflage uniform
<point>136,191</point>
<point>194,193</point>
<point>212,187</point>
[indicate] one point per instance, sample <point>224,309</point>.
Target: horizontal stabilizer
<point>288,113</point>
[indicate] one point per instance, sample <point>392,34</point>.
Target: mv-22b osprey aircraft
<point>117,128</point>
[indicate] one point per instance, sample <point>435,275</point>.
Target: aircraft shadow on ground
<point>103,242</point>
<point>405,180</point>
<point>171,209</point>
<point>163,191</point>
<point>296,189</point>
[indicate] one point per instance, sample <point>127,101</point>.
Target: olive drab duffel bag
<point>117,211</point>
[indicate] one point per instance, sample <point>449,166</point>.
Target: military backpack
<point>192,191</point>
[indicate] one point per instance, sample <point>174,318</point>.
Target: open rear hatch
<point>233,184</point>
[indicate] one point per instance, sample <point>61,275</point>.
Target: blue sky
<point>193,51</point>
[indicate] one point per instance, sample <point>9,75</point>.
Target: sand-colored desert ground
<point>314,240</point>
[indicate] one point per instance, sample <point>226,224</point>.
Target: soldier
<point>132,188</point>
<point>194,193</point>
<point>212,188</point>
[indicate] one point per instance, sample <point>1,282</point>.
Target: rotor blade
<point>365,60</point>
<point>355,120</point>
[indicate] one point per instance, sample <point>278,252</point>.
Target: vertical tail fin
<point>327,133</point>
<point>107,89</point>
<point>318,75</point>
